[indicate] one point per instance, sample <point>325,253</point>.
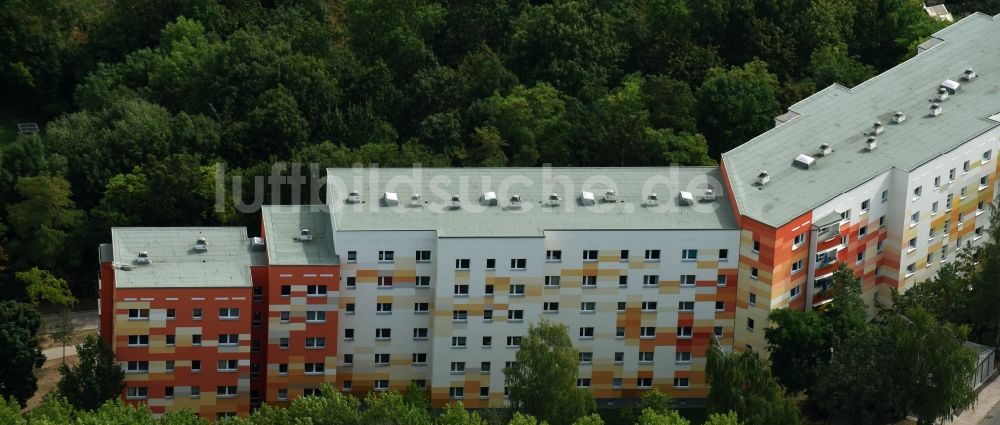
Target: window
<point>422,281</point>
<point>421,307</point>
<point>685,305</point>
<point>484,392</point>
<point>196,365</point>
<point>930,259</point>
<point>423,256</point>
<point>420,333</point>
<point>913,244</point>
<point>718,331</point>
<point>619,357</point>
<point>721,280</point>
<point>645,357</point>
<point>171,314</point>
<point>795,292</point>
<point>383,308</point>
<point>652,255</point>
<point>720,306</point>
<point>456,393</point>
<point>487,341</point>
<point>753,272</point>
<point>227,365</point>
<point>462,263</point>
<point>283,343</point>
<point>381,359</point>
<point>518,263</point>
<point>687,280</point>
<point>461,290</point>
<point>861,257</point>
<point>137,367</point>
<point>590,255</point>
<point>138,340</point>
<point>979,233</point>
<point>934,208</point>
<point>983,182</point>
<point>797,266</point>
<point>195,392</point>
<point>616,383</point>
<point>682,357</point>
<point>169,366</point>
<point>799,240</point>
<point>623,256</point>
<point>513,341</point>
<point>196,339</point>
<point>881,221</point>
<point>987,155</point>
<point>650,280</point>
<point>914,218</point>
<point>138,314</point>
<point>283,367</point>
<point>750,324</point>
<point>583,382</point>
<point>680,382</point>
<point>644,383</point>
<point>385,281</point>
<point>319,290</point>
<point>910,269</point>
<point>517,289</point>
<point>951,175</point>
<point>619,332</point>
<point>352,256</point>
<point>588,307</point>
<point>487,315</point>
<point>623,281</point>
<point>552,281</point>
<point>944,228</point>
<point>723,255</point>
<point>866,205</point>
<point>168,392</point>
<point>586,332</point>
<point>386,256</point>
<point>621,306</point>
<point>352,282</point>
<point>885,195</point>
<point>134,393</point>
<point>491,264</point>
<point>878,246</point>
<point>318,316</point>
<point>586,357</point>
<point>647,332</point>
<point>515,315</point>
<point>550,307</point>
<point>930,234</point>
<point>649,306</point>
<point>589,281</point>
<point>315,342</point>
<point>756,246</point>
<point>862,232</point>
<point>225,391</point>
<point>553,255</point>
<point>285,316</point>
<point>381,385</point>
<point>980,208</point>
<point>349,334</point>
<point>383,334</point>
<point>484,367</point>
<point>229,339</point>
<point>753,299</point>
<point>258,294</point>
<point>282,393</point>
<point>965,167</point>
<point>196,314</point>
<point>459,315</point>
<point>689,255</point>
<point>917,191</point>
<point>457,368</point>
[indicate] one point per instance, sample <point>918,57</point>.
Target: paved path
<point>986,410</point>
<point>81,320</point>
<point>55,353</point>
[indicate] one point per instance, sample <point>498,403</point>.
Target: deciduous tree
<point>96,379</point>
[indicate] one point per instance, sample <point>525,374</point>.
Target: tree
<point>96,379</point>
<point>591,419</point>
<point>653,417</point>
<point>542,379</point>
<point>10,411</point>
<point>43,220</point>
<point>19,323</point>
<point>982,311</point>
<point>388,408</point>
<point>455,414</point>
<point>742,383</point>
<point>728,418</point>
<point>522,419</point>
<point>799,346</point>
<point>736,105</point>
<point>831,64</point>
<point>43,286</point>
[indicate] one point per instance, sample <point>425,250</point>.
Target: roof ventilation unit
<point>489,198</point>
<point>951,85</point>
<point>825,149</point>
<point>305,235</point>
<point>652,200</point>
<point>763,178</point>
<point>553,200</point>
<point>898,117</point>
<point>935,109</point>
<point>870,143</point>
<point>805,161</point>
<point>201,245</point>
<point>515,202</point>
<point>686,198</point>
<point>391,199</point>
<point>610,196</point>
<point>415,200</point>
<point>353,197</point>
<point>587,198</point>
<point>456,203</point>
<point>877,128</point>
<point>969,74</point>
<point>143,258</point>
<point>942,94</point>
<point>709,195</point>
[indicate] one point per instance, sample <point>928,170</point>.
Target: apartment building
<point>433,276</point>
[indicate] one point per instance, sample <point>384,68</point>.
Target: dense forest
<point>138,100</point>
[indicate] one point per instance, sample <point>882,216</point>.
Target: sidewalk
<point>989,397</point>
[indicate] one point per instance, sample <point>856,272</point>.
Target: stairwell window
<point>917,191</point>
<point>966,166</point>
<point>756,247</point>
<point>753,272</point>
<point>987,155</point>
<point>937,182</point>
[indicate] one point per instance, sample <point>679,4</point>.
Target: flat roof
<point>282,227</point>
<point>475,218</point>
<point>175,263</point>
<point>843,117</point>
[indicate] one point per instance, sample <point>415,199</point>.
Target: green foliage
<point>390,408</point>
<point>737,104</point>
<point>742,383</point>
<point>42,221</point>
<point>455,414</point>
<point>522,419</point>
<point>728,418</point>
<point>43,286</point>
<point>19,322</point>
<point>96,379</point>
<point>542,379</point>
<point>10,412</point>
<point>653,417</point>
<point>799,345</point>
<point>831,64</point>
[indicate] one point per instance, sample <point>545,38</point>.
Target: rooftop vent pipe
<point>353,197</point>
<point>763,178</point>
<point>898,117</point>
<point>305,235</point>
<point>942,94</point>
<point>201,245</point>
<point>825,149</point>
<point>877,128</point>
<point>870,144</point>
<point>935,109</point>
<point>969,74</point>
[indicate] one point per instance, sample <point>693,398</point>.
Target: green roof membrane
<point>479,217</point>
<point>843,118</point>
